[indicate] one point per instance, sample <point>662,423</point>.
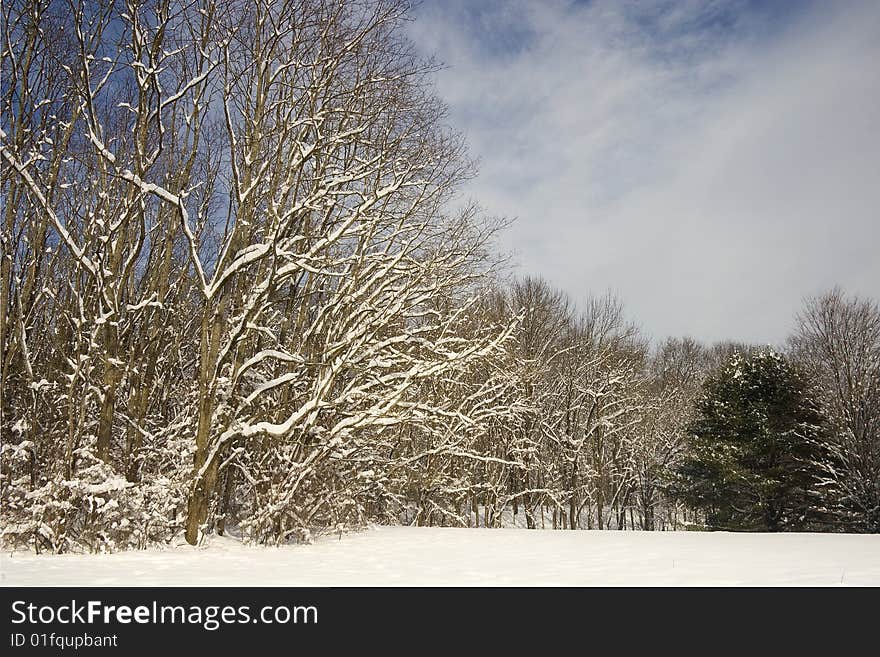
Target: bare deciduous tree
<point>837,342</point>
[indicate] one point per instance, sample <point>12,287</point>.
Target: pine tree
<point>754,448</point>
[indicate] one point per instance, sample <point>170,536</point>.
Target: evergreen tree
<point>755,446</point>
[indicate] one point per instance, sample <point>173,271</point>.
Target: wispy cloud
<point>711,162</point>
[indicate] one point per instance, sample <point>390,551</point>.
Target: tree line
<point>234,298</point>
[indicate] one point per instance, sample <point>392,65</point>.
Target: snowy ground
<point>409,556</point>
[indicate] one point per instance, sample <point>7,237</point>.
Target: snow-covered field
<point>410,556</point>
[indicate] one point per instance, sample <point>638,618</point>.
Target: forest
<point>241,292</point>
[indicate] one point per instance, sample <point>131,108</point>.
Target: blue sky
<point>711,163</point>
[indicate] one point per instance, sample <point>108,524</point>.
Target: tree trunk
<point>227,495</point>
<point>108,403</point>
<point>203,484</point>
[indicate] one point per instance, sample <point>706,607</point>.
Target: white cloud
<point>710,165</point>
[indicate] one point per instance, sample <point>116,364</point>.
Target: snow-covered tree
<point>837,342</point>
<point>233,261</point>
<point>754,444</point>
